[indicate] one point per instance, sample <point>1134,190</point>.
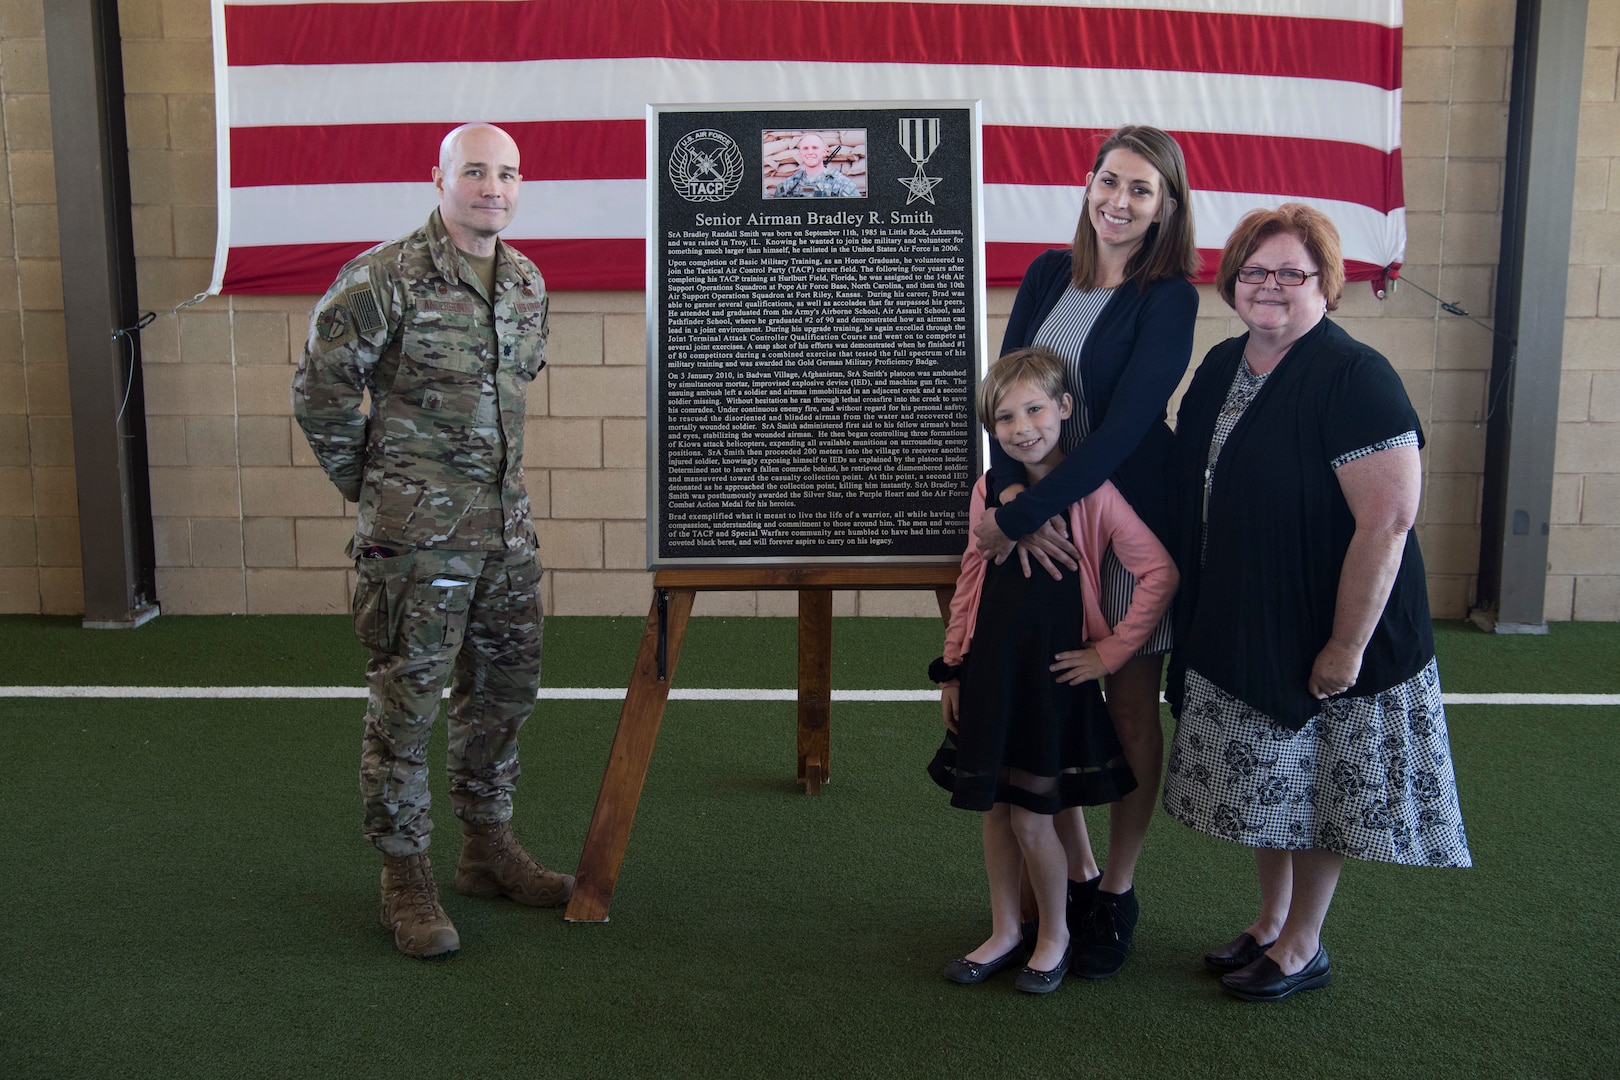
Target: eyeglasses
<point>1256,275</point>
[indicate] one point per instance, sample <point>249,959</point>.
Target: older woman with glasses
<point>1309,717</point>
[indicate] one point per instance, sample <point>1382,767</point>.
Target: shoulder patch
<point>332,324</point>
<point>362,305</point>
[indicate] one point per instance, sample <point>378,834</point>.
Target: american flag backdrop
<point>330,113</point>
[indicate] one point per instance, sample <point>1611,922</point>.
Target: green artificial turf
<point>187,893</point>
<point>319,650</point>
<point>1572,657</point>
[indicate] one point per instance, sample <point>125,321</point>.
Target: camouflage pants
<point>472,619</point>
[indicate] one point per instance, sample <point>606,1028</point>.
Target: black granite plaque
<point>814,334</point>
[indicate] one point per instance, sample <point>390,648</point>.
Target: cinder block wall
<point>1583,579</point>
<point>247,523</point>
<point>39,529</point>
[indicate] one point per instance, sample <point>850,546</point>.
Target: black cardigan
<point>1131,363</point>
<point>1253,617</point>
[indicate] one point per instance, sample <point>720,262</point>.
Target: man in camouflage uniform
<point>445,329</point>
<point>813,180</point>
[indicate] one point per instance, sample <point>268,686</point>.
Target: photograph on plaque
<point>813,340</point>
<point>814,164</point>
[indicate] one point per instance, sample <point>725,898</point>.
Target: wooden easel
<point>673,594</point>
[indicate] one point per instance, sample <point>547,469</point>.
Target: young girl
<point>1117,307</point>
<point>1028,733</point>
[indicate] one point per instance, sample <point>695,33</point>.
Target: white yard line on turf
<point>273,693</point>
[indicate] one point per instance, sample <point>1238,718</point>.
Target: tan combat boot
<point>410,908</point>
<point>493,863</point>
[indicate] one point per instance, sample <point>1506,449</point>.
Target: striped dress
<point>1064,332</point>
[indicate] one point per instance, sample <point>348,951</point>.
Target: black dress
<point>1023,737</point>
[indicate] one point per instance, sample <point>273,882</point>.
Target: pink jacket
<point>1096,521</point>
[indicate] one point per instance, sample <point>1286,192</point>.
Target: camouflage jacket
<point>831,184</point>
<point>438,461</point>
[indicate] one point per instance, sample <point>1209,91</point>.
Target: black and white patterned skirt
<point>1369,777</point>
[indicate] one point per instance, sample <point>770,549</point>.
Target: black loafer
<point>968,972</point>
<point>1240,952</point>
<point>1032,981</point>
<point>1263,980</point>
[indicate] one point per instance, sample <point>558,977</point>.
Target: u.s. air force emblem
<point>706,166</point>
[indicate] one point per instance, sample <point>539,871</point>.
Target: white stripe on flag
<point>1038,214</point>
<point>273,95</point>
<point>1373,11</point>
<point>338,213</point>
<point>1014,213</point>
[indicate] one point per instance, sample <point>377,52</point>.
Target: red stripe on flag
<point>286,269</point>
<point>889,33</point>
<point>616,150</point>
<point>300,269</point>
<point>1301,168</point>
<point>400,153</point>
<point>1005,263</point>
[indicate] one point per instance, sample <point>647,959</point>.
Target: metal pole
<point>1532,279</point>
<point>98,297</point>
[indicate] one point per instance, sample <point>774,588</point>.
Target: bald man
<point>445,329</point>
<point>813,179</point>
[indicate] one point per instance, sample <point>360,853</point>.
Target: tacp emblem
<point>332,325</point>
<point>706,166</point>
<point>432,399</point>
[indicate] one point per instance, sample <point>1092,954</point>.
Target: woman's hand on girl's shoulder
<point>1078,666</point>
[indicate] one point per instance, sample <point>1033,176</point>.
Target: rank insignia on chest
<point>432,399</point>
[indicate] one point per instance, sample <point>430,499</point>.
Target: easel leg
<point>643,711</point>
<point>815,688</point>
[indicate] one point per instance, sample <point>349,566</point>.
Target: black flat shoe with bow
<point>1032,981</point>
<point>967,972</point>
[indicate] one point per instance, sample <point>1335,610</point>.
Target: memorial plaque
<point>815,313</point>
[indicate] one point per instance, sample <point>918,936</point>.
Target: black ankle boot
<point>1105,935</point>
<point>1082,895</point>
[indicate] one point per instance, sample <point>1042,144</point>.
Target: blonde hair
<point>1037,365</point>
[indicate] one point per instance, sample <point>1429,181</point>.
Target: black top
<point>1252,618</point>
<point>1132,361</point>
